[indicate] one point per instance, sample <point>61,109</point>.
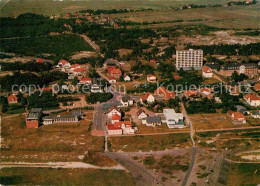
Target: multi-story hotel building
<point>188,59</point>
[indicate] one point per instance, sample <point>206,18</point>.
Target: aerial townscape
<point>130,92</point>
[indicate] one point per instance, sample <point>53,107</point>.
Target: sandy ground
<point>67,165</point>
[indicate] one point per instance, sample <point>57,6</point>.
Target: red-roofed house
<point>74,66</point>
<point>115,118</point>
<point>190,93</point>
<point>151,78</point>
<point>79,71</point>
<point>147,97</point>
<point>207,72</point>
<point>152,61</point>
<point>63,64</point>
<point>257,87</point>
<point>252,99</point>
<point>40,60</point>
<point>110,68</point>
<point>113,130</point>
<point>85,81</point>
<point>120,127</point>
<point>111,80</point>
<point>206,92</point>
<point>12,99</point>
<point>176,77</point>
<point>161,91</point>
<point>237,117</point>
<point>116,73</point>
<point>113,111</point>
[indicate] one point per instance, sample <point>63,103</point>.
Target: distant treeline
<point>130,23</point>
<point>253,33</point>
<point>225,49</point>
<point>29,25</point>
<point>241,2</point>
<point>113,11</point>
<point>19,78</point>
<point>30,66</point>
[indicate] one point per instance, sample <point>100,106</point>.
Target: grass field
<point>49,7</point>
<point>147,143</point>
<point>59,45</point>
<point>57,142</point>
<point>212,121</point>
<point>222,17</point>
<point>244,174</point>
<point>49,176</point>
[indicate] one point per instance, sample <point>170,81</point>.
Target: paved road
<point>194,148</point>
<point>192,162</point>
<point>140,173</point>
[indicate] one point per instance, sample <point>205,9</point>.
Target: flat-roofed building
<point>33,118</point>
<point>188,59</point>
<point>173,119</point>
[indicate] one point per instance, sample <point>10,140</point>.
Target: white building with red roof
<point>148,97</point>
<point>237,117</point>
<point>111,80</point>
<point>161,91</point>
<point>115,118</point>
<point>85,81</point>
<point>79,71</point>
<point>12,99</point>
<point>121,127</point>
<point>113,111</point>
<point>207,72</point>
<point>63,64</point>
<point>151,78</point>
<point>252,99</point>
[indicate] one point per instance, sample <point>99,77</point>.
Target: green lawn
<point>50,176</point>
<point>59,45</point>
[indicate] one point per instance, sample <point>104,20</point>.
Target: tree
<point>75,81</point>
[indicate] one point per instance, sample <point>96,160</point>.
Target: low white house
<point>141,114</point>
<point>255,114</point>
<point>151,78</point>
<point>111,80</point>
<point>126,101</point>
<point>252,99</point>
<point>173,119</point>
<point>207,72</point>
<point>113,111</point>
<point>127,78</point>
<point>151,121</point>
<point>147,97</point>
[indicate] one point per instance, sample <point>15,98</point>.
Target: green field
<point>49,176</point>
<point>49,7</point>
<point>59,45</point>
<point>244,174</point>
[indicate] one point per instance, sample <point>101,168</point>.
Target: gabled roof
<point>12,98</point>
<point>153,119</point>
<point>126,98</point>
<point>191,93</point>
<point>86,79</point>
<point>151,76</point>
<point>140,111</point>
<point>113,127</point>
<point>177,77</point>
<point>40,60</point>
<point>252,97</point>
<point>120,123</point>
<point>111,78</point>
<point>79,70</point>
<point>116,71</point>
<point>144,98</point>
<point>115,117</point>
<point>63,62</point>
<point>113,108</point>
<point>206,69</point>
<point>74,66</point>
<point>166,93</point>
<point>238,116</point>
<point>257,86</point>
